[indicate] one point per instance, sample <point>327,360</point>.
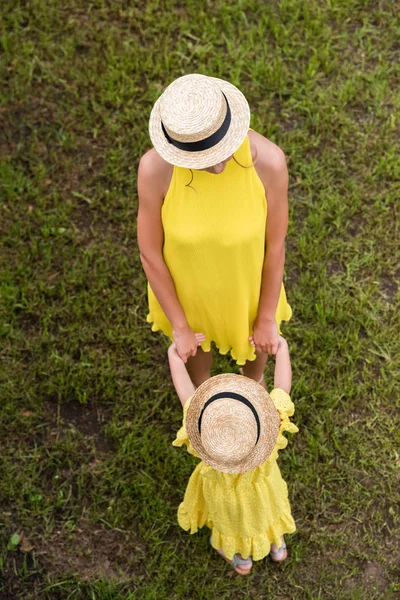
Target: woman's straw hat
<point>199,121</point>
<point>232,423</point>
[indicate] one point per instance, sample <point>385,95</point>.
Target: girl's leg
<point>254,369</point>
<point>199,367</point>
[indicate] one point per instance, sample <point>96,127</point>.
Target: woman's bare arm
<point>272,170</point>
<point>153,180</point>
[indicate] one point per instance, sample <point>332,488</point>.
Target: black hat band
<point>208,142</point>
<point>234,396</point>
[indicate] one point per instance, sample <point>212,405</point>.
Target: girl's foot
<point>241,565</point>
<point>278,554</point>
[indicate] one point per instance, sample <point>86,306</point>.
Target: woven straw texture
<point>228,438</point>
<point>192,108</point>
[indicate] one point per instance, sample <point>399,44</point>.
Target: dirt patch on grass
<point>374,575</point>
<point>389,286</point>
<point>89,552</point>
<point>335,267</point>
<point>92,551</point>
<point>87,419</point>
<point>372,578</point>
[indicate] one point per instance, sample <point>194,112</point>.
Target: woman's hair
<point>246,166</point>
<point>188,185</point>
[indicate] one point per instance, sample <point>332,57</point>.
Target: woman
<point>213,260</point>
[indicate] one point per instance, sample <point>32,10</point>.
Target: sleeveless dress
<point>214,247</point>
<point>246,512</point>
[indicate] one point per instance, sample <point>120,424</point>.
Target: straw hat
<point>199,121</point>
<point>232,423</point>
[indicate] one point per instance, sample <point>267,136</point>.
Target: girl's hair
<point>188,185</point>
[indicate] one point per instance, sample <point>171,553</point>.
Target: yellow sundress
<point>214,247</point>
<point>246,512</point>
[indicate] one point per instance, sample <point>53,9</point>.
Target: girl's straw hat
<point>232,423</point>
<point>199,121</point>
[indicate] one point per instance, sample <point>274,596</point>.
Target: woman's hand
<point>265,336</point>
<point>186,342</point>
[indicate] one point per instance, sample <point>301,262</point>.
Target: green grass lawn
<point>89,481</point>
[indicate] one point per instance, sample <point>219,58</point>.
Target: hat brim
<point>203,159</point>
<point>268,416</point>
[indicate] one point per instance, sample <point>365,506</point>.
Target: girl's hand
<point>186,343</point>
<point>265,336</point>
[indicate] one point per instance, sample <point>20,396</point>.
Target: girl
<point>213,260</point>
<point>236,428</point>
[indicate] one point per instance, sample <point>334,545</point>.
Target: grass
<point>89,481</point>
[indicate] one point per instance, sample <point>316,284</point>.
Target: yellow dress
<point>246,512</point>
<point>214,247</point>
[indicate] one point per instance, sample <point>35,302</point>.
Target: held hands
<point>265,336</point>
<point>186,342</point>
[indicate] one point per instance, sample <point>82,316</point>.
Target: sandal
<point>281,554</point>
<point>242,566</point>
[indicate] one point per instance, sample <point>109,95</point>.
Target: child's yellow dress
<point>246,512</point>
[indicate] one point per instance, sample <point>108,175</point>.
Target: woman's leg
<point>199,367</point>
<point>254,369</point>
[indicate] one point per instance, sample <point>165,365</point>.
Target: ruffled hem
<point>206,346</point>
<point>156,327</point>
<point>182,439</point>
<point>256,546</point>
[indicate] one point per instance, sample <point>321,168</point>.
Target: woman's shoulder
<point>267,156</point>
<point>152,164</point>
<point>154,170</point>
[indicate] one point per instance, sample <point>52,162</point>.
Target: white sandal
<point>245,564</point>
<point>279,555</point>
